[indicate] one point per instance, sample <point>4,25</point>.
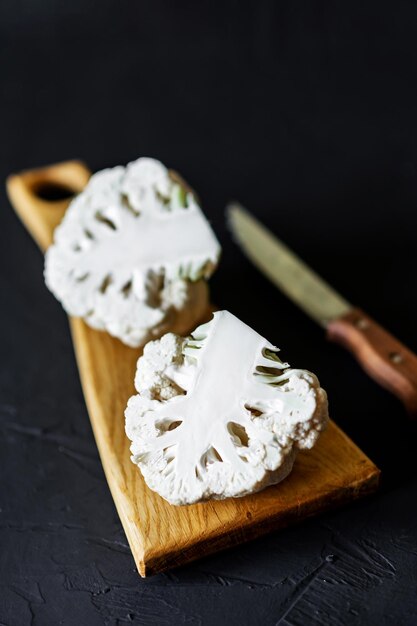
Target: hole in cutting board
<point>52,192</point>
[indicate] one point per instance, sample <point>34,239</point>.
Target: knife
<point>383,357</point>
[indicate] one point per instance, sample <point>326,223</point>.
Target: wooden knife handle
<point>383,357</point>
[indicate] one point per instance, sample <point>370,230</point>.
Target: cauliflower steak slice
<point>133,253</point>
<point>218,414</point>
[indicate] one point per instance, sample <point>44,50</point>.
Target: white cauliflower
<point>218,414</point>
<point>133,253</point>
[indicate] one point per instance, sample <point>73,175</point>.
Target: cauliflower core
<point>218,414</point>
<point>132,254</point>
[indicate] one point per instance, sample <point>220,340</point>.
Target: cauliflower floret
<point>151,380</point>
<point>218,414</point>
<point>133,253</point>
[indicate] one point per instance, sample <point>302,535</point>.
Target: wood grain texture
<point>162,536</point>
<point>382,356</point>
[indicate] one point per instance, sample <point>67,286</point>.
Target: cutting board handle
<point>383,357</point>
<point>41,196</point>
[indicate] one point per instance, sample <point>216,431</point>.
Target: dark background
<point>307,113</point>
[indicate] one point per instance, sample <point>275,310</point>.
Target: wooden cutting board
<point>162,536</point>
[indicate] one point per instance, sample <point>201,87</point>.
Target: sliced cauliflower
<point>218,414</point>
<point>133,253</point>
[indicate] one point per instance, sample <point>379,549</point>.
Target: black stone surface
<point>305,112</point>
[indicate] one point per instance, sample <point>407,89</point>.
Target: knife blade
<point>382,356</point>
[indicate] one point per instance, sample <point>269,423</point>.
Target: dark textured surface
<point>306,112</point>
